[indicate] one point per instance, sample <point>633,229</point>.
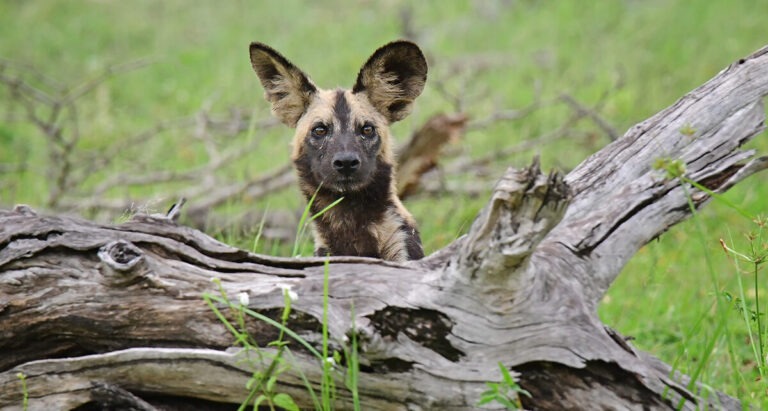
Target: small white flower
<point>243,299</point>
<point>331,361</point>
<point>291,294</point>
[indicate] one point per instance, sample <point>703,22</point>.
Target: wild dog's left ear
<point>392,78</point>
<point>288,89</point>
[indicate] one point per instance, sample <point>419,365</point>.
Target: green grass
<point>655,50</point>
<point>262,387</point>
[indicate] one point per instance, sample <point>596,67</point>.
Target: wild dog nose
<point>346,163</point>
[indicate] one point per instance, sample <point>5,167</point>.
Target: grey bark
<point>99,314</point>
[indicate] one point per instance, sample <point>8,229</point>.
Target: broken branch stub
<point>525,205</point>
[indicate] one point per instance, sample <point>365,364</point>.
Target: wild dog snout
<point>346,163</point>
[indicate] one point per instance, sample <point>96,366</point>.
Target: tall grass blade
<point>260,231</point>
<point>327,385</point>
<point>306,219</point>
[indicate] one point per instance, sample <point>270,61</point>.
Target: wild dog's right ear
<point>392,78</point>
<point>288,89</point>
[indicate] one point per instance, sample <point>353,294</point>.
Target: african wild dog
<point>343,148</point>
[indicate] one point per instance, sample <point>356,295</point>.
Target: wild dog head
<point>342,136</point>
<point>342,147</point>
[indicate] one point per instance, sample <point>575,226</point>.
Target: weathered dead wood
<point>94,313</point>
<point>423,150</point>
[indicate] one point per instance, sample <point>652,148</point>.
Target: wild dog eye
<point>367,131</point>
<point>320,131</point>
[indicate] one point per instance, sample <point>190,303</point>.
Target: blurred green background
<point>626,59</point>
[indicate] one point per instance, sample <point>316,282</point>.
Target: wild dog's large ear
<point>392,78</point>
<point>288,89</point>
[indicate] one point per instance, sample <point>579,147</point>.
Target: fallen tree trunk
<point>113,316</point>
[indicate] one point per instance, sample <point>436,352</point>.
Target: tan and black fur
<point>343,148</point>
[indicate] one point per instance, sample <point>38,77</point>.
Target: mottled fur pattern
<point>343,148</point>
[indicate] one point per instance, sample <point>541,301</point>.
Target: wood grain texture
<point>113,314</point>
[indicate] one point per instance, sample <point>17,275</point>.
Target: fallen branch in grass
<point>593,114</point>
<point>421,153</point>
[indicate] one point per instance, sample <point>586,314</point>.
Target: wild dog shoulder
<point>397,236</point>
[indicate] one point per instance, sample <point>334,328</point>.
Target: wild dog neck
<point>370,222</point>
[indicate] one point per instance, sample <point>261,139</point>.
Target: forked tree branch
<point>622,202</point>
